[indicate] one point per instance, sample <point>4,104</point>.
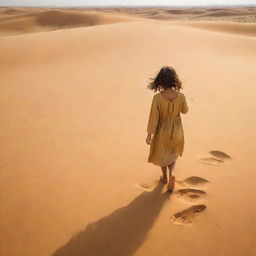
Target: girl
<point>165,123</point>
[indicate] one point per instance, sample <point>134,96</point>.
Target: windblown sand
<point>74,108</point>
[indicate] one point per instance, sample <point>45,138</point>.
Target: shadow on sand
<point>121,232</point>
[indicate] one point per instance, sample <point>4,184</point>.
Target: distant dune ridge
<point>247,29</point>
<point>21,20</point>
<point>74,109</point>
<point>236,14</point>
<point>18,22</point>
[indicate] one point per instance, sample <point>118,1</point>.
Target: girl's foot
<point>171,184</point>
<point>163,179</point>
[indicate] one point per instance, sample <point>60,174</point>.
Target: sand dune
<point>11,11</point>
<point>46,20</point>
<point>160,15</point>
<point>242,29</point>
<point>220,13</point>
<point>74,107</point>
<point>22,20</point>
<point>234,14</point>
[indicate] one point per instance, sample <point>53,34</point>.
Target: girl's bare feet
<point>171,184</point>
<point>163,179</point>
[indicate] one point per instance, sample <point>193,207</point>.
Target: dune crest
<point>235,14</point>
<point>246,29</point>
<point>48,20</point>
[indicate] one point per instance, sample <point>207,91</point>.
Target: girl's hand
<point>148,139</point>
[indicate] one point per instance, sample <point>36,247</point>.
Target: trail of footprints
<point>192,194</point>
<point>187,217</point>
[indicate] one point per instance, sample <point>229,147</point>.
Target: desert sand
<point>74,110</point>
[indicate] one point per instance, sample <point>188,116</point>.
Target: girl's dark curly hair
<point>166,78</point>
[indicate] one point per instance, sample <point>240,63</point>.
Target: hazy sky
<point>124,2</point>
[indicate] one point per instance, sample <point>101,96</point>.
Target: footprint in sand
<point>220,155</point>
<point>219,158</point>
<point>187,216</point>
<point>194,181</point>
<point>190,194</point>
<point>210,161</point>
<point>147,186</point>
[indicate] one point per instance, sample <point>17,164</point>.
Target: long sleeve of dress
<point>184,108</point>
<point>153,116</point>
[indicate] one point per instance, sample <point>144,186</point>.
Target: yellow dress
<point>165,124</point>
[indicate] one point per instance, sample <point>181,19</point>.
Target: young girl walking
<point>165,131</point>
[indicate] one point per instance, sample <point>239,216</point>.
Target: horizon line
<point>132,6</point>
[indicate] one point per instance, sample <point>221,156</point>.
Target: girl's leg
<point>171,183</point>
<point>164,177</point>
<point>171,167</point>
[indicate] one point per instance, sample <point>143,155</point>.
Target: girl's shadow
<point>122,232</point>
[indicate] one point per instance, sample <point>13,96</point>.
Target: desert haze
<point>74,109</point>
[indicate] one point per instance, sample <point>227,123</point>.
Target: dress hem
<point>155,163</point>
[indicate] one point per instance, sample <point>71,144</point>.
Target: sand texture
<point>74,108</point>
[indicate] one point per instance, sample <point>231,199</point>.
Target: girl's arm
<point>184,108</point>
<point>153,118</point>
